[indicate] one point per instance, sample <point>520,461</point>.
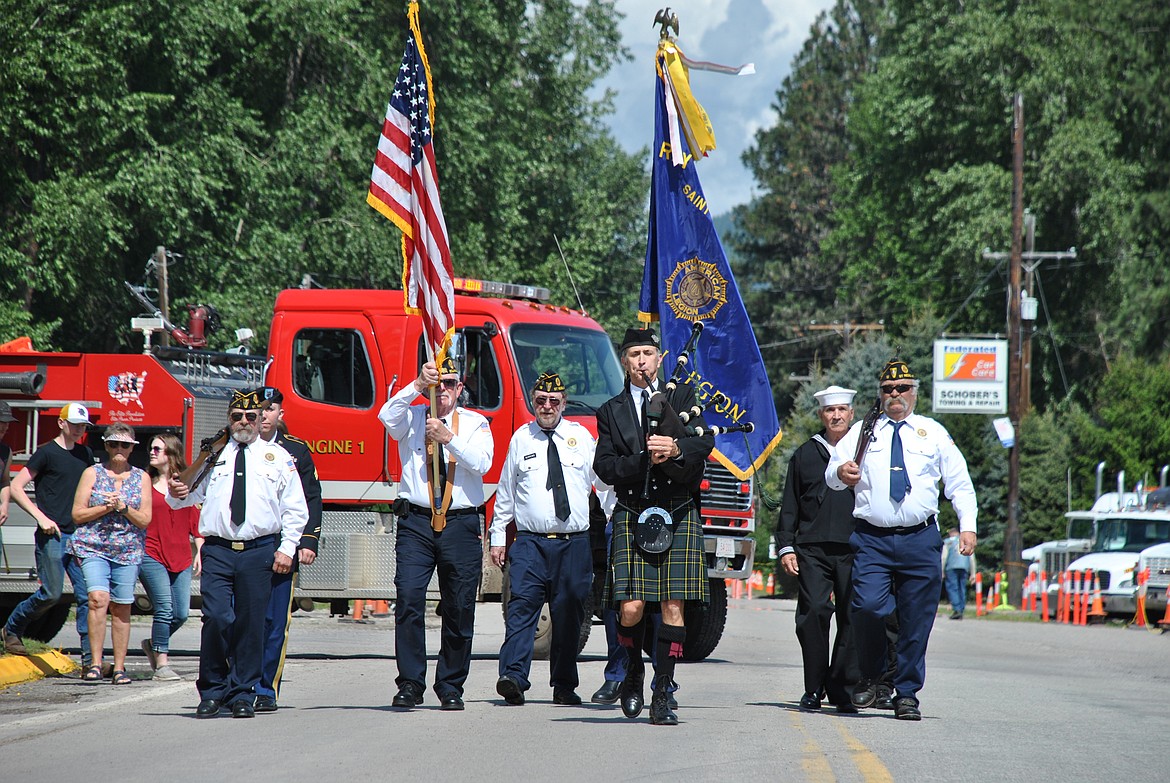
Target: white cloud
<point>767,32</point>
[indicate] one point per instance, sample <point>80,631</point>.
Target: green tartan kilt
<point>678,573</point>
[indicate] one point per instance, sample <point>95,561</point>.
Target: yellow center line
<point>812,758</point>
<point>866,761</point>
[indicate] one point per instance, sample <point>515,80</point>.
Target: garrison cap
<point>248,400</point>
<point>636,337</point>
<point>897,370</point>
<point>549,381</point>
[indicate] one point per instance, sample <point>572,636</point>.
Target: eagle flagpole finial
<point>668,21</point>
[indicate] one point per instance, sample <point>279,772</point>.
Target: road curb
<point>15,669</point>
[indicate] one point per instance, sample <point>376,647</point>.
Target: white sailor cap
<point>835,395</point>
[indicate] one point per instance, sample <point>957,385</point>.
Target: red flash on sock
<point>676,650</point>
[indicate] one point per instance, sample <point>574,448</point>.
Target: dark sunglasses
<point>117,444</point>
<point>450,383</point>
<point>550,401</point>
<point>157,449</point>
<point>250,416</point>
<point>901,388</point>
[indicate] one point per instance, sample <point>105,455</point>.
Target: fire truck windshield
<point>584,358</point>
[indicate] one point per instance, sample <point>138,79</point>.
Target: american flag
<point>404,187</point>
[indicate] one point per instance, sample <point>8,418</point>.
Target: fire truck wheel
<point>705,623</point>
<point>45,627</point>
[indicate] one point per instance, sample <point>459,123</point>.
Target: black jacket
<point>299,450</point>
<point>810,512</point>
<point>621,456</point>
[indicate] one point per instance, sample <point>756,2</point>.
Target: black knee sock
<point>631,638</point>
<point>668,650</point>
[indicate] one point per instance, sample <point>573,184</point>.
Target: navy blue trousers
<point>891,572</point>
<point>235,587</point>
<point>557,571</point>
<point>457,554</point>
<point>276,620</point>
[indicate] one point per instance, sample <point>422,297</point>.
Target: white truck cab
<point>1121,538</point>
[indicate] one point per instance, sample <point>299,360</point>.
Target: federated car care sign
<point>970,376</point>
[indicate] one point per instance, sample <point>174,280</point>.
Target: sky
<point>768,33</point>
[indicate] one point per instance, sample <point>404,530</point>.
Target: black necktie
<point>556,479</point>
<point>899,481</point>
<point>239,502</point>
<point>442,460</point>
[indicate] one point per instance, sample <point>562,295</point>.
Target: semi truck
<point>337,355</point>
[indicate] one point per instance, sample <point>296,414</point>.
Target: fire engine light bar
<point>471,285</point>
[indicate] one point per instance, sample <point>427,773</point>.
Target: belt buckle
<point>237,546</point>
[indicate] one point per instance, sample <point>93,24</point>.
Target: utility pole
<point>1012,541</point>
<point>160,270</point>
<point>846,330</point>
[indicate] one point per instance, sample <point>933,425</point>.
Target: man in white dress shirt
<point>544,488</point>
<point>448,538</point>
<point>897,543</point>
<point>253,514</point>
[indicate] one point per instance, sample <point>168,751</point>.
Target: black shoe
<point>810,701</point>
<point>451,703</point>
<point>885,697</point>
<point>265,704</point>
<point>956,615</point>
<point>865,694</point>
<point>566,696</point>
<point>607,693</point>
<point>510,690</point>
<point>242,709</point>
<point>409,695</point>
<point>631,693</point>
<point>845,708</point>
<point>906,708</point>
<point>660,712</point>
<point>208,708</point>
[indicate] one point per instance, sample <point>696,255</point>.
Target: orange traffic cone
<point>359,607</point>
<point>1043,596</point>
<point>1164,623</point>
<point>381,608</point>
<point>1139,617</point>
<point>978,594</point>
<point>1097,613</point>
<point>771,584</point>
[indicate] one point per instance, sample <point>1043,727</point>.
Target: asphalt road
<point>1004,701</point>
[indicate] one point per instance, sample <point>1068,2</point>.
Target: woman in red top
<point>168,564</point>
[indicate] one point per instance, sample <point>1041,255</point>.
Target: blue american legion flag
<point>687,279</point>
<point>404,188</point>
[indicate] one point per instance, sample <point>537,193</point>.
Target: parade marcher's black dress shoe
<point>906,708</point>
<point>510,690</point>
<point>810,701</point>
<point>208,708</point>
<point>865,694</point>
<point>607,693</point>
<point>660,712</point>
<point>242,709</point>
<point>885,697</point>
<point>845,708</point>
<point>451,703</point>
<point>409,695</point>
<point>631,693</point>
<point>265,704</point>
<point>566,696</point>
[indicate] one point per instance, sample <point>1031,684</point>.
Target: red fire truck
<point>337,355</point>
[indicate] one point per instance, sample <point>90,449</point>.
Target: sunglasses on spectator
<point>901,388</point>
<point>450,383</point>
<point>250,416</point>
<point>117,444</point>
<point>550,401</point>
<point>157,449</point>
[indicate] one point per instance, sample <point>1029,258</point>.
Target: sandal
<point>92,674</point>
<point>119,677</point>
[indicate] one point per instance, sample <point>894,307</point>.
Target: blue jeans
<point>53,562</point>
<point>957,588</point>
<point>171,595</point>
